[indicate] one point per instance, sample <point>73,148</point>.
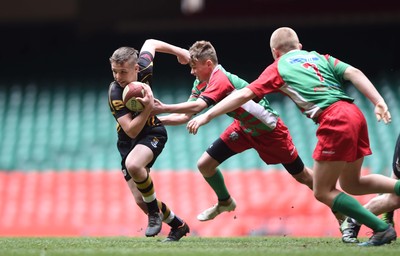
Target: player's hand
<point>183,56</point>
<point>148,98</point>
<point>382,112</point>
<point>158,107</point>
<point>194,124</point>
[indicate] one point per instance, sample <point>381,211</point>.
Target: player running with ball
<point>141,136</point>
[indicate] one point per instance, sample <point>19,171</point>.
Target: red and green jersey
<point>254,117</point>
<point>313,81</point>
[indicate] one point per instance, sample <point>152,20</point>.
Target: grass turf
<point>188,246</point>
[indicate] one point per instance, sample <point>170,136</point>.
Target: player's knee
<point>395,200</point>
<point>321,196</point>
<point>133,168</point>
<point>202,166</point>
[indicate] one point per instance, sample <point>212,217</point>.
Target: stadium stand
<point>47,127</point>
<point>87,203</point>
<point>60,169</point>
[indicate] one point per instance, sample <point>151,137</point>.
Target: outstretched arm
<point>228,104</point>
<point>364,85</point>
<point>175,119</point>
<point>188,107</point>
<point>181,112</point>
<point>153,46</point>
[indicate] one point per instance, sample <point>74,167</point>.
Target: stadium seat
<point>98,203</point>
<point>71,128</point>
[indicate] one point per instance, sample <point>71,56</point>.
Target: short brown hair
<point>124,54</point>
<point>203,50</point>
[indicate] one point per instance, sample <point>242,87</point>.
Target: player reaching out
<point>256,125</point>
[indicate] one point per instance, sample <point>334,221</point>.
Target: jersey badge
<point>154,142</point>
<point>233,136</point>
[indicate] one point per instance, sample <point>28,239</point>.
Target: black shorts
<point>220,151</point>
<point>152,137</point>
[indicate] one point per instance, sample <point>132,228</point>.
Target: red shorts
<point>273,147</point>
<point>342,134</point>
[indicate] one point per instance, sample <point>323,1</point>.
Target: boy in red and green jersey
<point>254,118</point>
<point>312,81</point>
<point>255,126</point>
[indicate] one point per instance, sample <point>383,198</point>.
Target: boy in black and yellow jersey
<point>141,136</point>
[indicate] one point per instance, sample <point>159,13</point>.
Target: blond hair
<point>284,39</point>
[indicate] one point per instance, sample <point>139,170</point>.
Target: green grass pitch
<point>188,246</point>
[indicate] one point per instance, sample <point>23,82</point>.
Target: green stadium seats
<point>67,125</point>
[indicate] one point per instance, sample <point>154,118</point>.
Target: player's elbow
<point>185,118</point>
<point>352,73</point>
<point>198,108</point>
<point>150,45</point>
<point>150,42</point>
<point>132,133</point>
<point>247,94</point>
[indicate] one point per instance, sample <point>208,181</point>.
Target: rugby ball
<point>129,95</point>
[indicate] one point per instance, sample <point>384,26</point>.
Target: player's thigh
<point>139,157</point>
<point>326,174</point>
<point>351,173</point>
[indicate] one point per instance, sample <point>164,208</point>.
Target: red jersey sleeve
<point>269,81</point>
<point>218,87</point>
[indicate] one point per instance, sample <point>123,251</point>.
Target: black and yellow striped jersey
<point>118,108</point>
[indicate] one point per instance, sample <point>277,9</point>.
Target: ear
<point>209,63</point>
<point>136,68</point>
<point>300,46</point>
<point>275,53</point>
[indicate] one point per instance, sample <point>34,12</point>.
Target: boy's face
<point>202,69</point>
<point>124,73</point>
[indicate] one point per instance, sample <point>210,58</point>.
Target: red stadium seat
<point>87,203</point>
